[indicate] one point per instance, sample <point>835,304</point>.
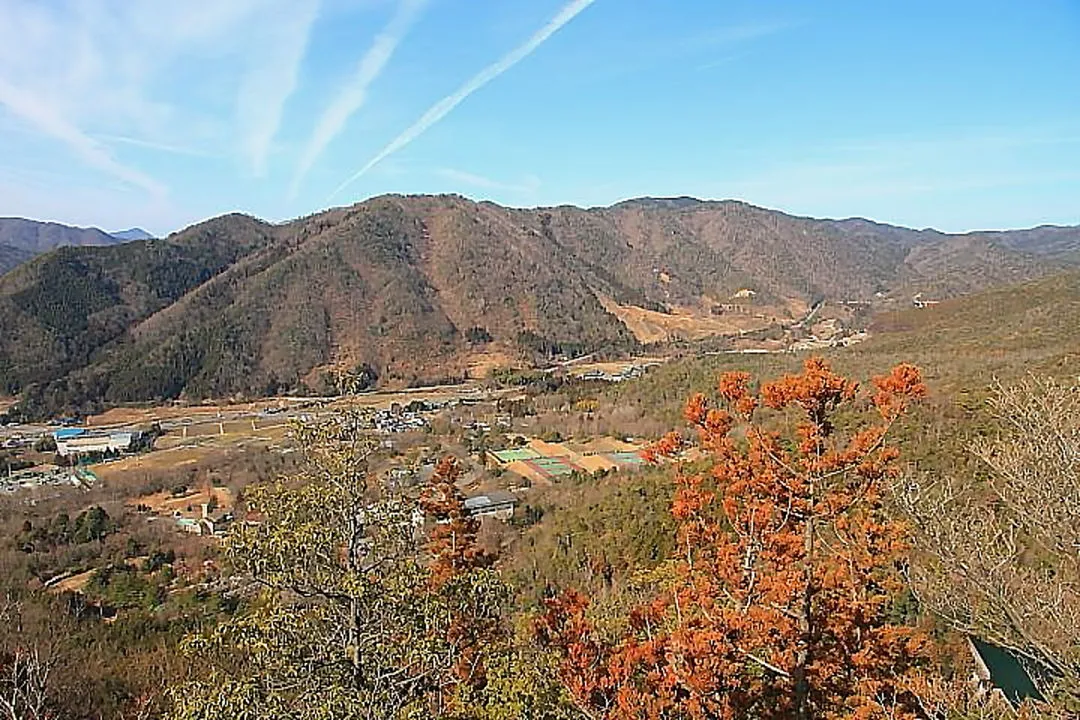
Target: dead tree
<point>1001,554</point>
<point>25,671</point>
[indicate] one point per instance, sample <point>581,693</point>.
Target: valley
<point>156,389</point>
<point>403,291</point>
<point>364,360</point>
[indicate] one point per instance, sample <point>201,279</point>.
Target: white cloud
<point>528,185</point>
<point>48,122</point>
<point>156,146</point>
<point>273,76</point>
<point>131,73</point>
<point>731,35</point>
<point>353,95</point>
<point>445,106</point>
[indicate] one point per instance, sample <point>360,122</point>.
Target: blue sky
<point>953,114</point>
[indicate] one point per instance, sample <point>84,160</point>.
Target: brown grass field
<point>136,415</point>
<point>75,583</point>
<point>165,503</point>
<point>481,364</point>
<point>614,367</point>
<point>203,447</point>
<point>691,323</point>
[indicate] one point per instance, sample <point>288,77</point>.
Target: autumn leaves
<point>777,604</point>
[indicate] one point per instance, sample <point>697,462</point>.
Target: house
<point>215,523</point>
<point>918,302</point>
<point>189,525</point>
<point>206,511</point>
<point>497,503</point>
<point>208,523</point>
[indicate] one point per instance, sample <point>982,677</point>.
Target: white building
<point>93,443</point>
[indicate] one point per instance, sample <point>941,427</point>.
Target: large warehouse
<point>76,441</point>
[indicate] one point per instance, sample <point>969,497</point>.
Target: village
<point>488,428</point>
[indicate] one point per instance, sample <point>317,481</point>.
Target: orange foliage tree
<point>785,570</point>
<point>457,564</point>
<point>451,542</point>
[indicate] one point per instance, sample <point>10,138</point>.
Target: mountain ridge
<point>22,239</point>
<point>135,233</point>
<point>413,289</point>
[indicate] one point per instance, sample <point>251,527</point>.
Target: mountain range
<point>413,289</point>
<point>132,234</point>
<point>22,239</point>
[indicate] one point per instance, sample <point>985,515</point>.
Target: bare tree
<point>1001,553</point>
<point>957,698</point>
<point>350,623</point>
<point>25,670</point>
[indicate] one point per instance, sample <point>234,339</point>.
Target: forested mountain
<point>71,308</point>
<point>10,256</point>
<point>963,344</point>
<point>22,239</point>
<point>412,288</point>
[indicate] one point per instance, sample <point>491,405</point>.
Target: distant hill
<point>132,234</point>
<point>22,239</point>
<point>962,345</point>
<point>10,256</point>
<point>415,289</point>
<point>39,237</point>
<point>999,333</point>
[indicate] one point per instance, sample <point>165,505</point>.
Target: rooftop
<point>65,433</point>
<point>495,497</point>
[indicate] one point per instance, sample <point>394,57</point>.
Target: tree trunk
<point>356,534</point>
<point>802,658</point>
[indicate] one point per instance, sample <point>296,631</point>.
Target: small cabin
<point>498,503</point>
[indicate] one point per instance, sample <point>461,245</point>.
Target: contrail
<point>152,145</point>
<point>47,121</point>
<point>442,108</point>
<point>354,94</point>
<point>274,77</point>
